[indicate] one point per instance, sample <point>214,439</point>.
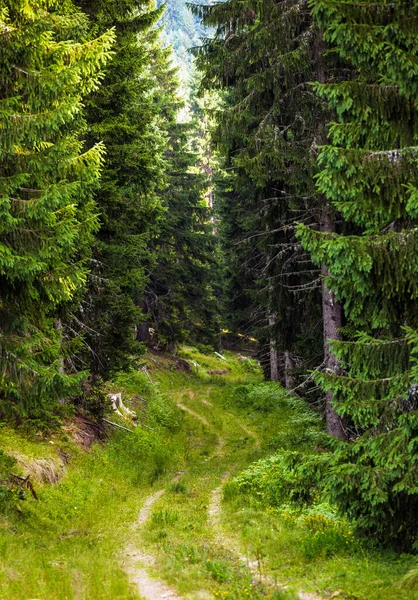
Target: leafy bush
<point>219,570</point>
<point>285,477</point>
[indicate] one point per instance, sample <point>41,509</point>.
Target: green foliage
<point>163,518</point>
<point>9,492</point>
<point>47,214</point>
<point>263,397</point>
<point>261,59</point>
<point>219,571</point>
<point>327,535</point>
<point>180,296</point>
<point>281,478</point>
<point>147,398</point>
<point>368,173</point>
<point>130,112</point>
<point>410,581</point>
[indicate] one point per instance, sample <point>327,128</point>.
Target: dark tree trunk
<point>332,322</point>
<point>288,366</point>
<point>274,357</point>
<point>142,329</point>
<point>331,310</point>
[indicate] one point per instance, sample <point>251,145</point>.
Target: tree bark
<point>142,333</point>
<point>274,357</point>
<point>288,366</point>
<point>332,322</point>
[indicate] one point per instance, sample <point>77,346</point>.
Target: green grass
<point>306,549</point>
<point>69,544</point>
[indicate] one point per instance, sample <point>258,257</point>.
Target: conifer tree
<point>130,113</point>
<point>368,171</point>
<point>47,217</point>
<point>263,59</point>
<point>180,294</point>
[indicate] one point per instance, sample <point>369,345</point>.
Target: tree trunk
<point>332,322</point>
<point>288,366</point>
<point>274,358</point>
<point>142,333</point>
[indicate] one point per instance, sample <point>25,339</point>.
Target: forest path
<point>137,562</point>
<point>181,527</point>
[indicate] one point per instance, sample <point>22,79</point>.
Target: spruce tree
<point>130,112</point>
<point>180,296</point>
<point>47,217</point>
<point>263,59</point>
<point>368,172</point>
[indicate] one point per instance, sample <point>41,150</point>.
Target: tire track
<point>214,518</point>
<point>136,562</point>
<point>220,443</point>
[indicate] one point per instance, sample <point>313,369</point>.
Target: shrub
<point>285,477</point>
<point>262,397</point>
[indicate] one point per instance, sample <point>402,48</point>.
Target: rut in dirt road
<point>136,562</point>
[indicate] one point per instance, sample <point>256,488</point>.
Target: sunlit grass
<point>70,544</point>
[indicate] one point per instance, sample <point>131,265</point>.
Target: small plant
<point>164,518</point>
<point>326,536</point>
<point>410,580</point>
<point>10,492</point>
<point>250,365</point>
<point>178,487</point>
<point>205,349</point>
<point>286,476</point>
<point>219,570</point>
<point>189,553</point>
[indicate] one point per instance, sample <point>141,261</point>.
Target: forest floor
<point>116,527</point>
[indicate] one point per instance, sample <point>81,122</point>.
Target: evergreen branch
<point>36,73</point>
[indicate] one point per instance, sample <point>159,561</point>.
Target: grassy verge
<point>192,551</point>
<point>70,542</point>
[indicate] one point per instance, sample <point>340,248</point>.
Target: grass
<point>70,543</point>
<point>313,549</point>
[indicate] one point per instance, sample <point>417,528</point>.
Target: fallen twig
<point>117,425</point>
<point>24,482</point>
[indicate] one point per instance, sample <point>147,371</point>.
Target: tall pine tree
<point>130,113</point>
<point>47,217</point>
<point>180,296</point>
<point>369,173</point>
